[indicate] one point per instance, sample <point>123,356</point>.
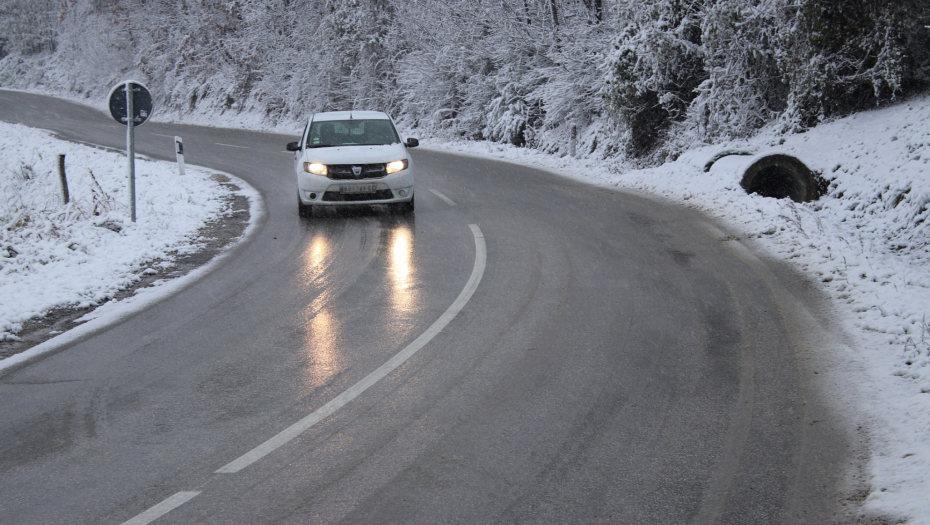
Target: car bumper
<point>318,190</point>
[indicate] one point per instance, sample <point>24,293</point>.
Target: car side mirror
<point>412,143</point>
<point>293,146</point>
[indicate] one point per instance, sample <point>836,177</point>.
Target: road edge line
<point>162,508</point>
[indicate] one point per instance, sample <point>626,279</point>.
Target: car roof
<point>350,115</point>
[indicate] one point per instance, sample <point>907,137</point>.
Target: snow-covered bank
<point>866,242</point>
<point>83,253</point>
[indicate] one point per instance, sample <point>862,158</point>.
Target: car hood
<point>356,154</point>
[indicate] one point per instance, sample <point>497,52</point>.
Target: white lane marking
<point>231,145</point>
<point>162,508</point>
<point>443,197</point>
<point>357,389</point>
<point>160,135</point>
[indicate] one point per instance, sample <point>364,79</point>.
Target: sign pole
<point>131,151</point>
<point>133,111</point>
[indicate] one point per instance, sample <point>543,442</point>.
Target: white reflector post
<point>179,151</point>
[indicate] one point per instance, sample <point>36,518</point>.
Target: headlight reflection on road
<point>403,295</point>
<point>325,357</point>
<point>322,330</point>
<point>314,256</point>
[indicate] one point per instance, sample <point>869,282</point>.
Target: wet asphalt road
<point>620,361</point>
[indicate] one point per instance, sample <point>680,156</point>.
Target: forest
<point>640,80</point>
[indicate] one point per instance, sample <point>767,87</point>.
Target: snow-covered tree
<point>29,27</point>
<point>744,88</point>
<point>653,68</point>
<point>849,54</point>
<point>352,42</point>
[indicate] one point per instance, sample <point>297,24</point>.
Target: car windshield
<point>351,133</point>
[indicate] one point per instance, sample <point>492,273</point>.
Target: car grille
<point>344,171</point>
<point>335,196</point>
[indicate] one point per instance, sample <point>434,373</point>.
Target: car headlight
<point>315,168</point>
<point>397,165</point>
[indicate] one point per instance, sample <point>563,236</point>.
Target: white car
<point>353,157</point>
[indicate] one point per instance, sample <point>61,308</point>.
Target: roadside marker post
<point>573,141</point>
<point>63,178</point>
<point>179,151</point>
<point>130,104</point>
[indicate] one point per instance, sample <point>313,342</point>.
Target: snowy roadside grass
<point>867,242</point>
<point>81,254</point>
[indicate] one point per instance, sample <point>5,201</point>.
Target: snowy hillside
<point>641,79</point>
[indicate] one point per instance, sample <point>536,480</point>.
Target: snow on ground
<point>866,242</point>
<point>81,254</point>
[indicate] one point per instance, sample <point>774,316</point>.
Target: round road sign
<point>141,102</point>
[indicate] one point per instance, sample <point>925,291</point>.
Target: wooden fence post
<point>63,177</point>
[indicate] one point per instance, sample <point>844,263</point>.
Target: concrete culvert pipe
<point>780,176</point>
<point>725,153</point>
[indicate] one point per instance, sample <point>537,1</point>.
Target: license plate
<point>358,188</point>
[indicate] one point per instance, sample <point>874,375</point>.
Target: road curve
<point>620,361</point>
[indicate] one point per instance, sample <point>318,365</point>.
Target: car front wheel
<point>303,210</point>
<point>404,207</point>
